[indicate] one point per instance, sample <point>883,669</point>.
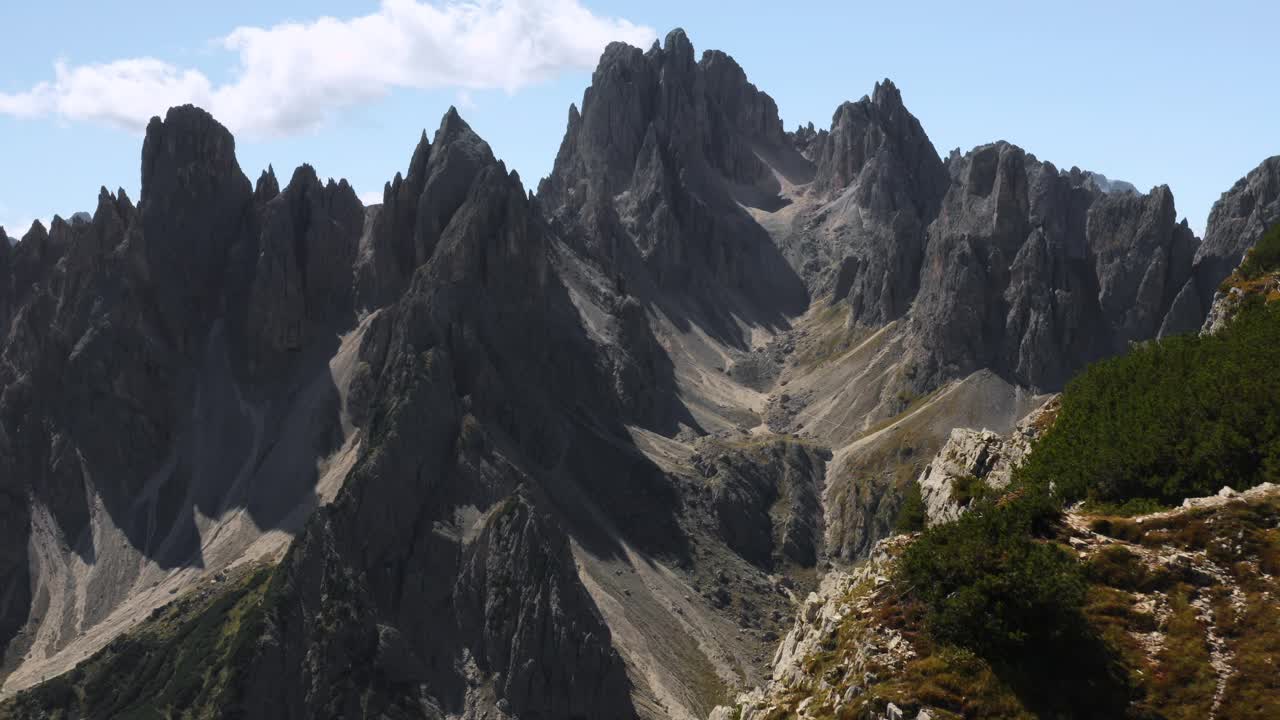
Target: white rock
<point>978,453</point>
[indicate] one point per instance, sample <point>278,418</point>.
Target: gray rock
<point>652,175</point>
<point>1033,273</point>
<point>977,456</point>
<point>1236,222</point>
<point>884,181</point>
<point>767,502</point>
<point>301,284</point>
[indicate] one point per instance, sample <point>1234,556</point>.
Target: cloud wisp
<point>291,77</point>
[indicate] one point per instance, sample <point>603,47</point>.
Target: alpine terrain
<point>721,420</point>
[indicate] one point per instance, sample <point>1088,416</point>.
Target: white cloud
<point>292,76</point>
<point>372,197</point>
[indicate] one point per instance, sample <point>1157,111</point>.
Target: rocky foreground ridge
<point>1186,595</point>
<point>476,452</point>
<point>1197,580</point>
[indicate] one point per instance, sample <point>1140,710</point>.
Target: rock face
<point>973,456</point>
<point>455,420</point>
<point>822,616</point>
<point>192,188</point>
<point>1238,219</point>
<point>1033,272</point>
<point>529,621</point>
<point>301,282</point>
<point>884,180</point>
<point>767,502</point>
<point>653,174</point>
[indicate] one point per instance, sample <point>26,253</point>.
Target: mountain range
<point>479,451</point>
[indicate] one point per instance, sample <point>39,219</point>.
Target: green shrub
<point>967,488</point>
<point>1264,257</point>
<point>1171,419</point>
<point>911,516</point>
<point>1117,567</point>
<point>990,585</point>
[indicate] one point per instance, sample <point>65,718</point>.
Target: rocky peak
<point>751,111</point>
<point>301,282</point>
<point>110,221</point>
<point>651,176</point>
<point>418,161</point>
<point>189,143</point>
<point>808,141</point>
<point>705,112</point>
<point>880,181</point>
<point>417,209</point>
<point>457,157</point>
<point>886,95</point>
<point>31,259</point>
<point>267,187</point>
<point>1033,272</point>
<point>1142,257</point>
<point>196,205</point>
<point>677,50</point>
<point>880,131</point>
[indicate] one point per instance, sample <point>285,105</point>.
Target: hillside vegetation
<point>1172,419</point>
<point>186,661</point>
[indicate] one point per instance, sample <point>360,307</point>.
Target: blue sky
<point>1180,93</point>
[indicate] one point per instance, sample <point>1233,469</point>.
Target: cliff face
<point>655,176</point>
<point>1238,219</point>
<point>455,421</point>
<point>1033,272</point>
<point>884,181</point>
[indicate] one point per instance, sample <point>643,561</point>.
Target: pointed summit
<point>452,127</point>
<point>268,186</point>
<point>36,232</point>
<point>886,95</point>
<point>678,47</point>
<point>418,162</point>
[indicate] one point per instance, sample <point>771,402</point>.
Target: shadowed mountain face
<point>572,455</point>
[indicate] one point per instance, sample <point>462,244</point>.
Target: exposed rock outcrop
<point>652,176</point>
<point>767,500</point>
<point>301,283</point>
<point>976,459</point>
<point>1033,273</point>
<point>462,381</point>
<point>126,435</point>
<point>882,181</point>
<point>1177,584</point>
<point>528,620</point>
<point>1236,222</point>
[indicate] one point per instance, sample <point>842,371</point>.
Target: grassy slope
<point>183,662</point>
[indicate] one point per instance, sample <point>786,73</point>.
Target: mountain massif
<point>480,452</point>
